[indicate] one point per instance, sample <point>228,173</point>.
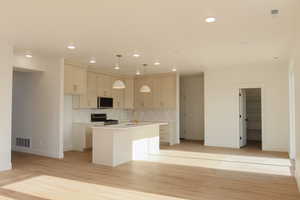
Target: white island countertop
<point>128,125</point>
<point>117,144</point>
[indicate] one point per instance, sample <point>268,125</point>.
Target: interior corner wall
<point>6,66</point>
<point>38,108</point>
<point>222,104</point>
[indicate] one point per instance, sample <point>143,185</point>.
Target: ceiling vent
<point>274,12</point>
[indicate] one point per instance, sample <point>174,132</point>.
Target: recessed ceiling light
<point>28,54</point>
<point>71,46</point>
<point>210,19</point>
<point>157,63</point>
<point>138,73</point>
<point>174,69</point>
<point>117,67</point>
<point>93,61</point>
<point>136,55</point>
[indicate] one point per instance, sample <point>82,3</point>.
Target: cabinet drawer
<point>164,128</point>
<point>164,138</point>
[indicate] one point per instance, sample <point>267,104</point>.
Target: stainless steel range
<point>103,118</point>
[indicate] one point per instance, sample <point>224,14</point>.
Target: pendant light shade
<point>119,84</point>
<point>145,89</point>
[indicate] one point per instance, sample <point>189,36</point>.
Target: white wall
<point>38,106</point>
<point>222,105</point>
<point>6,66</point>
<point>68,121</point>
<point>192,107</point>
<point>295,61</point>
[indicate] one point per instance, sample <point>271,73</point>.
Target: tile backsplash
<point>85,115</point>
<point>155,115</point>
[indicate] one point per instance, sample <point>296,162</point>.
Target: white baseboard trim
<point>277,149</point>
<point>220,145</point>
<point>6,168</point>
<point>36,152</point>
<point>68,148</point>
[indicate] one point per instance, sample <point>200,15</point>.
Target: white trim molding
<point>6,167</point>
<point>36,152</point>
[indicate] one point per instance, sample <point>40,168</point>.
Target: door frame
<point>292,133</point>
<point>243,117</point>
<point>262,94</point>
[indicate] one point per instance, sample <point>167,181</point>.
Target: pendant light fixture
<point>118,84</point>
<point>145,88</point>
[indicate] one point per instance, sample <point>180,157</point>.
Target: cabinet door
<point>68,82</point>
<point>79,80</point>
<point>92,90</point>
<point>118,96</point>
<point>148,97</point>
<point>157,89</point>
<point>129,94</point>
<point>104,85</point>
<point>107,86</point>
<point>168,92</point>
<point>138,97</point>
<point>100,85</point>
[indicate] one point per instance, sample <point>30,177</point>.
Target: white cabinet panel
<point>75,80</point>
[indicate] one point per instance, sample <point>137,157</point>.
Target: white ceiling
<point>172,32</point>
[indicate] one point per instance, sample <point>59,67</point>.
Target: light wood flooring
<point>185,171</point>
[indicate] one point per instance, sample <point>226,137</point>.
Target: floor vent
<point>23,142</point>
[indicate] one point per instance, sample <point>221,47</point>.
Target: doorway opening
<point>192,108</point>
<point>250,101</point>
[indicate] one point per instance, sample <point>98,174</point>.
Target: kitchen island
<point>117,144</point>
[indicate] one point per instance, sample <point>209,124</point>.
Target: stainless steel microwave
<point>105,103</point>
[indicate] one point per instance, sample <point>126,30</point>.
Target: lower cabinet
<point>82,135</point>
<point>164,134</point>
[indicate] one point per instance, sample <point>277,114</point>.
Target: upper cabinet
<point>75,80</point>
<point>87,86</point>
<point>92,90</point>
<point>104,85</point>
<point>124,98</point>
<point>162,95</point>
<point>129,93</point>
<point>168,92</point>
<point>143,100</point>
<point>89,99</point>
<point>118,96</point>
